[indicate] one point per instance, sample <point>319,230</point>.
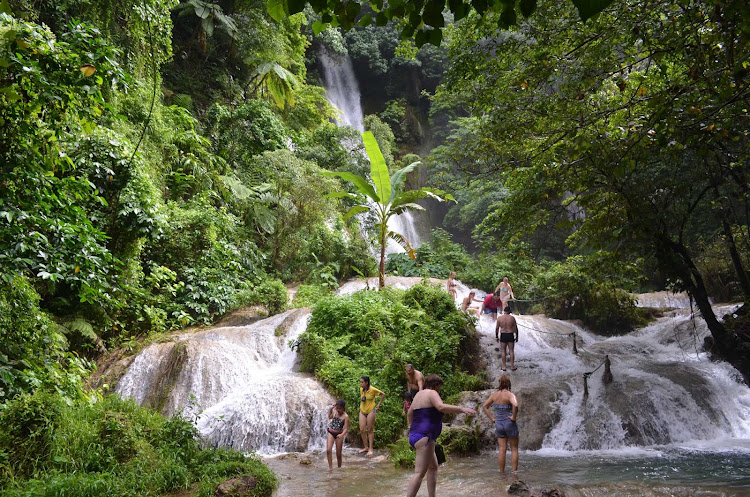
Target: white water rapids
<point>241,385</point>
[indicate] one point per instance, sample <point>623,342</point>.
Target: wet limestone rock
<point>242,486</point>
<point>521,489</point>
<point>537,415</point>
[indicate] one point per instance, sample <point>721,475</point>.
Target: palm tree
<point>385,198</point>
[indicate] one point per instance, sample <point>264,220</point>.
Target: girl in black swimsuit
<point>337,430</point>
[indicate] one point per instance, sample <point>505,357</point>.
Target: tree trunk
<point>676,260</point>
<point>736,260</point>
<point>381,273</point>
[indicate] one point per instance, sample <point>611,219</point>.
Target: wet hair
<point>367,380</point>
<point>497,293</point>
<point>507,309</point>
<point>505,279</point>
<point>341,403</point>
<point>408,396</point>
<point>433,381</point>
<point>409,366</point>
<point>504,383</point>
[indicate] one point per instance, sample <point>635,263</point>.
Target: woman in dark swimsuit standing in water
<point>505,406</point>
<point>425,418</point>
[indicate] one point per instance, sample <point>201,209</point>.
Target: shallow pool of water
<point>641,472</point>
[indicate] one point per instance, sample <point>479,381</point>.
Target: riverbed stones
<point>522,489</point>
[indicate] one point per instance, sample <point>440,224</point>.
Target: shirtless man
<point>414,379</point>
<point>506,325</point>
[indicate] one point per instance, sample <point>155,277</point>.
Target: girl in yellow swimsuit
<point>367,413</point>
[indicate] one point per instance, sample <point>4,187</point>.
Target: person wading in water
<point>505,405</point>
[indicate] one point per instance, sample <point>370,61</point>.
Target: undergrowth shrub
<point>111,447</point>
<point>376,334</point>
<point>309,295</point>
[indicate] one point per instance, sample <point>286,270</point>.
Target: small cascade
<point>665,392</point>
<point>664,300</point>
<point>239,383</point>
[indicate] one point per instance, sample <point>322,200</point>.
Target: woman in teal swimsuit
<point>506,292</point>
<point>505,405</point>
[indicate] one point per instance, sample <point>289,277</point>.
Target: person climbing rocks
<point>505,405</point>
<point>337,430</point>
<point>451,285</point>
<point>466,303</point>
<point>508,329</point>
<point>489,305</point>
<point>414,379</point>
<point>506,292</point>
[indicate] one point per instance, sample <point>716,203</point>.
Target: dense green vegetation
<point>110,447</point>
<point>164,162</point>
<point>376,334</point>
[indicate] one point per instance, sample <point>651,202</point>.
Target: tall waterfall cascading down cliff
<point>342,91</point>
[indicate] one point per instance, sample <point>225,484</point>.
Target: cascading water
<point>342,91</point>
<point>239,383</point>
<point>669,413</point>
<point>665,391</point>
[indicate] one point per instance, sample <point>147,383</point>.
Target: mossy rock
<point>460,440</point>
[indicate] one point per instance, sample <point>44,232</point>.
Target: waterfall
<point>238,383</point>
<point>666,392</point>
<point>342,91</point>
<point>242,387</point>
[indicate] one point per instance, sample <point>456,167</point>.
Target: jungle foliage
<point>627,134</point>
<point>376,333</point>
<point>110,447</point>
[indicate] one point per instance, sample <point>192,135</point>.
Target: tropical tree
<point>424,20</point>
<point>385,199</point>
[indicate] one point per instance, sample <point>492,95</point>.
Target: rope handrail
<point>547,332</point>
<point>597,368</point>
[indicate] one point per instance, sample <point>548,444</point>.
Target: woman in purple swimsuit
<point>425,417</point>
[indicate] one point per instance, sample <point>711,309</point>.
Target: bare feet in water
<point>362,451</point>
<point>369,453</point>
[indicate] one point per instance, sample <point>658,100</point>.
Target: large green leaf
<point>356,210</point>
<point>378,168</point>
<point>400,209</point>
<point>361,183</point>
<point>589,8</point>
<point>275,9</point>
<point>398,179</point>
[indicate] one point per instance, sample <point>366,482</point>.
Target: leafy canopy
<point>416,17</point>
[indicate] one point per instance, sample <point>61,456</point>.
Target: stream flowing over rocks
<point>242,386</point>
